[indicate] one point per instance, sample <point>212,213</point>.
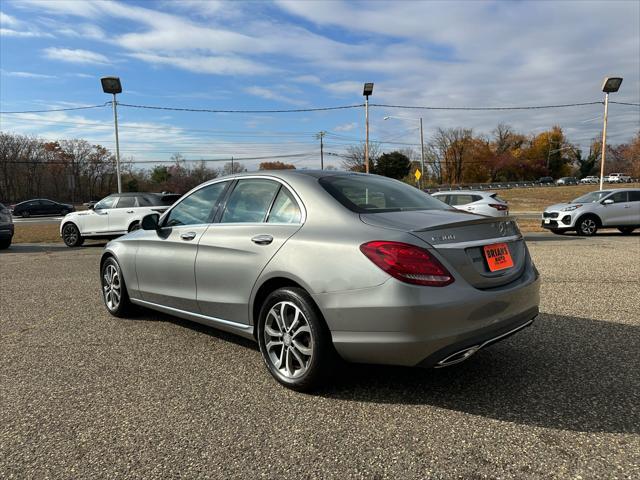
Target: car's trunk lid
<point>460,238</point>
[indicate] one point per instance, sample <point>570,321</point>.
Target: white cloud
<point>8,21</point>
<point>75,56</point>
<point>345,127</point>
<point>26,74</point>
<point>217,65</point>
<point>270,94</point>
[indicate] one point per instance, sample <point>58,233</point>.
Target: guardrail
<point>508,185</point>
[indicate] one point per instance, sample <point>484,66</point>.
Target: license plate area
<point>498,256</point>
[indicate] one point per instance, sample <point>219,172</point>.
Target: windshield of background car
<point>370,194</point>
<point>591,197</point>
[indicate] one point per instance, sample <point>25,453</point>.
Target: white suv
<point>618,178</point>
<point>112,216</point>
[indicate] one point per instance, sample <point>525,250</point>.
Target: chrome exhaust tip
<point>458,357</point>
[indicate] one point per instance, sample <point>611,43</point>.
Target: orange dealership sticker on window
<point>498,256</point>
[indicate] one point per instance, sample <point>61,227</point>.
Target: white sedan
<point>112,216</point>
<point>482,203</point>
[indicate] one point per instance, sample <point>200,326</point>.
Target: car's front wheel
<point>587,226</point>
<point>626,230</point>
<point>71,235</point>
<point>294,340</point>
<point>114,290</point>
<point>25,214</point>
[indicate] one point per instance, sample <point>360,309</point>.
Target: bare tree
<point>354,158</point>
<point>452,147</point>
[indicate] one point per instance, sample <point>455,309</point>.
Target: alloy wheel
<point>70,234</point>
<point>288,340</point>
<point>111,287</point>
<point>588,226</point>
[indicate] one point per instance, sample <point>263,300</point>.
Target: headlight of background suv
<point>571,208</point>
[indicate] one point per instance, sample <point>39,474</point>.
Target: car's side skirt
<point>219,323</point>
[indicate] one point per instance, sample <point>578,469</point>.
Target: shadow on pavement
<point>562,372</point>
<point>47,247</point>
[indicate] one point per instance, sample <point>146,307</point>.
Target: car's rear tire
<point>294,340</point>
<point>64,212</point>
<point>114,290</point>
<point>5,243</point>
<point>587,226</point>
<point>71,235</point>
<point>626,230</point>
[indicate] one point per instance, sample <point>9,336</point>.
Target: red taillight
<point>499,206</point>
<point>407,263</point>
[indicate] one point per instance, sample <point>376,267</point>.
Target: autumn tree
<point>276,166</point>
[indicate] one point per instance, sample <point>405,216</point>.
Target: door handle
<point>262,239</point>
<point>188,236</point>
<point>130,211</point>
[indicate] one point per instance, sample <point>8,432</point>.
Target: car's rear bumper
<point>399,324</point>
<point>6,231</point>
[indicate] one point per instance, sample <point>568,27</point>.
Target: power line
<point>87,107</point>
<point>530,107</point>
<point>626,103</point>
<point>209,110</point>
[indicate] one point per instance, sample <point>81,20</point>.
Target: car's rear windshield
<point>373,194</point>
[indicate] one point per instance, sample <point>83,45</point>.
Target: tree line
<point>77,171</point>
<point>457,155</point>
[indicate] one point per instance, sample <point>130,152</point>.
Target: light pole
<point>368,90</point>
<point>610,85</point>
<point>113,86</point>
<point>421,140</point>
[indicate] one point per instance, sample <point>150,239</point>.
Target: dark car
<point>545,180</point>
<point>6,227</point>
<point>41,206</point>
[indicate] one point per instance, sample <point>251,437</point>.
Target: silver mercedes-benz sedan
<point>321,265</point>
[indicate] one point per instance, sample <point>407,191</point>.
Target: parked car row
<point>617,208</point>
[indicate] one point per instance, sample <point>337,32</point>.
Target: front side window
<point>105,203</point>
<point>372,194</point>
<point>618,197</point>
<point>197,208</point>
<point>250,201</point>
<point>284,209</point>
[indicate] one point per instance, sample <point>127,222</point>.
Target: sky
<point>282,54</point>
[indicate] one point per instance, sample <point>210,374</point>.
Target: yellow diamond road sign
<point>417,174</point>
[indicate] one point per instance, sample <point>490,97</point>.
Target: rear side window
<point>500,199</point>
<point>126,202</point>
<point>145,201</point>
<point>285,209</point>
<point>461,199</point>
<point>197,208</point>
<point>618,197</point>
<point>373,194</point>
<point>634,196</point>
<point>250,201</point>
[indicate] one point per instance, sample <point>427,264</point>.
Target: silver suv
<point>618,208</point>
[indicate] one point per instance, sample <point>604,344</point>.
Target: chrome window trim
<point>477,243</point>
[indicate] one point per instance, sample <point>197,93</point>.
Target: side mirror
<point>150,222</point>
<point>608,201</point>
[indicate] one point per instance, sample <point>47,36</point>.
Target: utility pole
<point>115,121</point>
<point>321,136</point>
<point>232,165</point>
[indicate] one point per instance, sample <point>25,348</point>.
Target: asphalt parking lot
<point>86,395</point>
